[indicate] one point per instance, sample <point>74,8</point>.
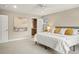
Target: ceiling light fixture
<point>42,5</point>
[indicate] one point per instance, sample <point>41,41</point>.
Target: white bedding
<point>58,42</point>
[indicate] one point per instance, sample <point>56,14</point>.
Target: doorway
<point>34,26</point>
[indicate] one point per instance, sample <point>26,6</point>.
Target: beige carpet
<point>27,47</point>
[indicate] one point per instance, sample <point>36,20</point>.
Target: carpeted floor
<point>27,47</point>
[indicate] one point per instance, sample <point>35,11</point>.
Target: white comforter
<point>58,42</point>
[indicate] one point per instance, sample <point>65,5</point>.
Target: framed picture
<point>20,24</point>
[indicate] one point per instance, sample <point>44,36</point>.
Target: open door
<point>34,26</point>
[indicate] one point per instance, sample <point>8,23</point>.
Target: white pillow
<point>75,31</point>
<point>53,30</point>
<point>62,30</point>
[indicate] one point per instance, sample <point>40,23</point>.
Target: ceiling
<point>37,9</point>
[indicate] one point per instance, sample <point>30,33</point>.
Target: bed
<point>59,42</point>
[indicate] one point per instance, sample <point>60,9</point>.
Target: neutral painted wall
<point>64,18</point>
<point>15,35</point>
<point>0,30</point>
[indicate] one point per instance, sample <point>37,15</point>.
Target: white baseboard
<point>3,41</point>
<point>12,40</point>
<point>28,37</point>
<point>16,39</point>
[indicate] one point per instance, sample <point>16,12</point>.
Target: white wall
<point>64,18</point>
<point>0,30</point>
<point>15,35</point>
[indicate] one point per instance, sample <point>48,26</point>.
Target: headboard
<point>74,27</point>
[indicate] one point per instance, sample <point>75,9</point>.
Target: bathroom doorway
<point>34,26</point>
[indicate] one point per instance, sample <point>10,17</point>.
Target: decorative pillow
<point>69,31</point>
<point>57,30</point>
